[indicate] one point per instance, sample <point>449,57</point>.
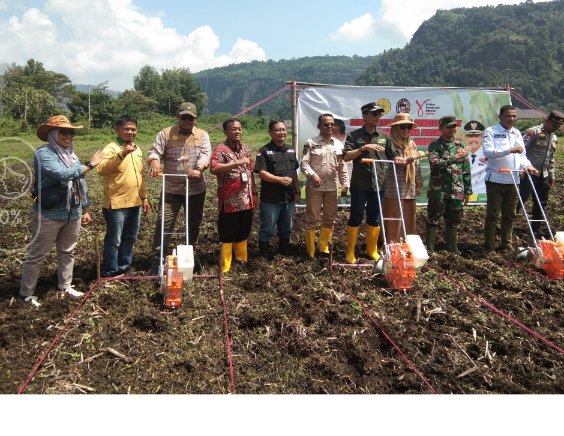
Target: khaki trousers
<point>317,200</point>
<point>43,233</point>
<point>502,200</point>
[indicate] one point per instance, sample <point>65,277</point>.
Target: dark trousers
<point>172,205</point>
<point>542,188</point>
<point>362,200</point>
<point>502,199</point>
<point>234,226</point>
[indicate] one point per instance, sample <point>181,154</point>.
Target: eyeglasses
<point>187,118</point>
<point>67,132</point>
<point>405,127</point>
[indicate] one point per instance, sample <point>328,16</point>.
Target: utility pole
<point>89,106</point>
<point>25,107</point>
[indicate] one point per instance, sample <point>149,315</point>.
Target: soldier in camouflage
<point>450,184</point>
<point>540,145</point>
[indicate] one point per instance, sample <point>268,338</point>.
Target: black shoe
<point>264,250</point>
<point>197,264</point>
<point>284,247</point>
<point>153,271</point>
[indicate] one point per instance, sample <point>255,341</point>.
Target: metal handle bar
<point>545,219</point>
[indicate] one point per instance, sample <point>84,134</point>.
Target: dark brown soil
<point>294,325</point>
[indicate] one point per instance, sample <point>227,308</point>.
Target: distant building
<point>529,114</point>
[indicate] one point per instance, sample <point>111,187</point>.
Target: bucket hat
<point>56,122</point>
<point>403,118</point>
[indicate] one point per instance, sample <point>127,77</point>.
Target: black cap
<point>371,107</point>
<point>474,127</point>
<point>556,116</point>
<point>449,121</point>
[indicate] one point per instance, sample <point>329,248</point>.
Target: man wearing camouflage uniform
<point>540,145</point>
<point>450,184</point>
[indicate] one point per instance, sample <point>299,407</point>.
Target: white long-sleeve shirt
<point>497,144</point>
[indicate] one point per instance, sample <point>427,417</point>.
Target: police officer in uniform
<point>276,165</point>
<point>540,145</point>
<point>449,184</point>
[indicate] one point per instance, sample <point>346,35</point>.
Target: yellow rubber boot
<point>325,235</point>
<point>352,235</point>
<point>226,256</point>
<point>372,234</point>
<point>310,242</point>
<point>241,251</point>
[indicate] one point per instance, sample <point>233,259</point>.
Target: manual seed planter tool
<point>400,260</point>
<point>546,254</point>
<point>176,269</point>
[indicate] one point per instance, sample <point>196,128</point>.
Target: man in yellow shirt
<point>125,194</point>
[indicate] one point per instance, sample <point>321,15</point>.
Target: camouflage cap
<point>187,109</point>
<point>557,117</point>
<point>474,127</point>
<point>448,121</point>
<point>371,107</point>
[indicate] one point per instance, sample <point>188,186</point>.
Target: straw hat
<point>403,118</point>
<point>56,122</point>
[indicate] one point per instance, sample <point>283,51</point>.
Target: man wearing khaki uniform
<point>324,168</point>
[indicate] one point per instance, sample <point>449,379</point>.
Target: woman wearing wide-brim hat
<point>60,205</point>
<point>402,150</point>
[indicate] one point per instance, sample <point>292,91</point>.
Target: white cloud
<point>92,41</point>
<point>355,30</point>
<point>400,19</point>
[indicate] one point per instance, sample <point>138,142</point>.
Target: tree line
<point>30,94</point>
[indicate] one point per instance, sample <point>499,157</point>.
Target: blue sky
<point>93,41</point>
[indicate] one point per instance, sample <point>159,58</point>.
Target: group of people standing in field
<point>386,171</point>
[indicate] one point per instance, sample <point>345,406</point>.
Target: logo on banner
<point>420,111</point>
<point>385,104</point>
<point>403,106</point>
<point>426,108</point>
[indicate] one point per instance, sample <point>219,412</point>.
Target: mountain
<point>84,88</point>
<point>520,45</point>
<point>234,87</point>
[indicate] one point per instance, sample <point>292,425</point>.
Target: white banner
<point>425,105</point>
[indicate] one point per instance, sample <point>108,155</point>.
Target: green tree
<point>170,88</point>
<point>28,105</point>
<point>34,75</point>
<point>135,103</point>
<point>103,107</point>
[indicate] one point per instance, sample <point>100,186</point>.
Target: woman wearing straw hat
<point>402,150</point>
<point>60,205</point>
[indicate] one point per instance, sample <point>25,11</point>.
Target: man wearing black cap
<point>184,149</point>
<point>366,142</point>
<point>540,145</point>
<point>474,130</point>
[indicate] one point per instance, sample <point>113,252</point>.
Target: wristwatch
<point>90,165</point>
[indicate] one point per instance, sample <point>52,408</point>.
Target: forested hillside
<point>235,87</point>
<point>522,45</point>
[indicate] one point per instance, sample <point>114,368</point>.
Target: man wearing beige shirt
<point>324,168</point>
